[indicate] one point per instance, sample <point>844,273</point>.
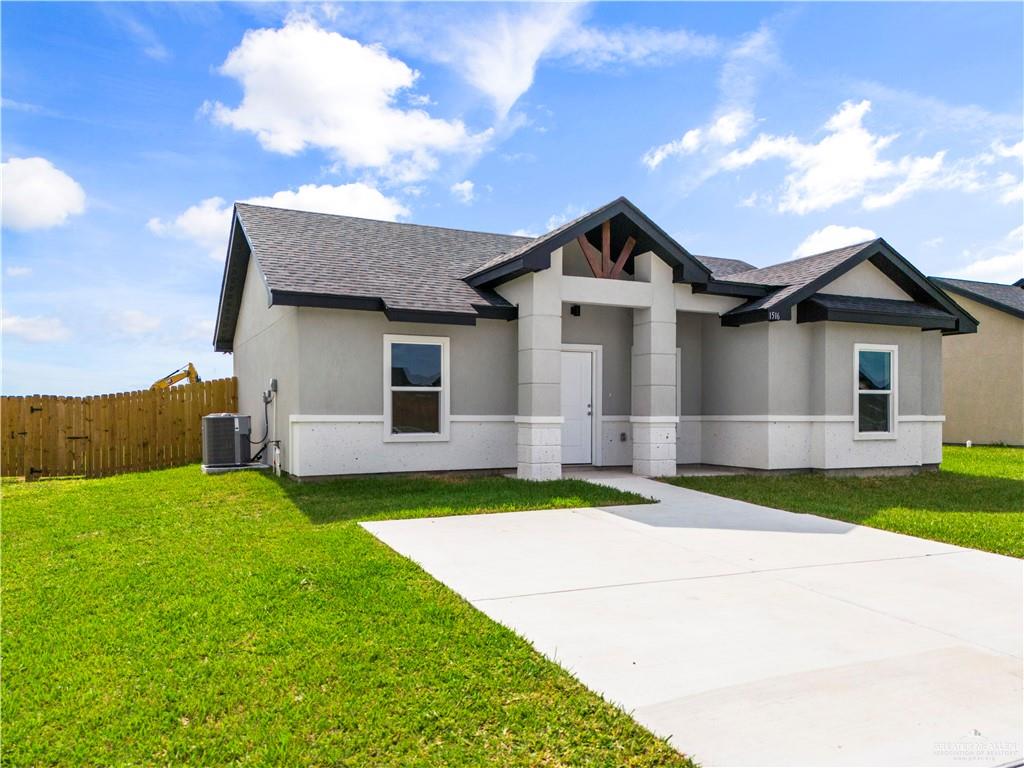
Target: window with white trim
<point>875,390</point>
<point>416,399</point>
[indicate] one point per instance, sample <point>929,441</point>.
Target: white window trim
<point>893,391</point>
<point>444,417</point>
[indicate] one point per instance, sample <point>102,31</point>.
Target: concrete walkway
<point>752,636</point>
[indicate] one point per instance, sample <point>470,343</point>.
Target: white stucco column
<point>653,414</point>
<point>539,415</point>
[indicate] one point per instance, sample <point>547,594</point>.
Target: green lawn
<point>170,618</point>
<point>976,500</point>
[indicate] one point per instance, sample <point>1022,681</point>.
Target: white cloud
<point>307,87</point>
<point>917,173</point>
<point>724,131</point>
<point>355,199</point>
<point>849,163</point>
<point>1000,262</point>
<point>206,223</point>
<point>35,329</point>
<point>497,49</point>
<point>463,191</point>
<point>135,322</point>
<point>499,55</point>
<point>198,329</point>
<point>839,167</point>
<point>37,195</point>
<point>591,47</point>
<point>1003,150</point>
<point>1012,188</point>
<point>143,35</point>
<point>831,237</point>
<point>568,213</point>
<point>933,242</point>
<point>18,271</point>
<point>733,119</point>
<point>524,233</point>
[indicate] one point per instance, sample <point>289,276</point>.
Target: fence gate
<point>54,436</point>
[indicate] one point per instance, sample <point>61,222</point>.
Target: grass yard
<point>977,500</point>
<point>169,618</point>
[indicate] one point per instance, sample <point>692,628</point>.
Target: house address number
<point>774,316</point>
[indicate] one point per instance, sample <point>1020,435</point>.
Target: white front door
<point>577,407</point>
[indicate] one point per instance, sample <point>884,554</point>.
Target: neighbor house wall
<point>339,423</point>
<point>984,379</point>
<point>265,346</point>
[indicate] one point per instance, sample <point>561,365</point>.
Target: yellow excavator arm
<point>185,372</point>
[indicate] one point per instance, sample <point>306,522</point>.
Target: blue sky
<point>756,131</point>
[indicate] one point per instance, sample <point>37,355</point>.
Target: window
<point>416,388</point>
<point>875,390</point>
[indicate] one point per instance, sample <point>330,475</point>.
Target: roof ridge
<point>382,221</point>
<point>813,256</point>
<point>976,282</point>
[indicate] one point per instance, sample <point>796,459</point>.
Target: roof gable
<point>800,279</point>
<point>867,281</point>
<point>627,221</point>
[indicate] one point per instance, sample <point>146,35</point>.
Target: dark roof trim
<point>537,256</point>
<point>492,312</point>
<point>232,283</point>
<point>981,298</point>
<point>374,304</point>
<point>819,308</point>
<point>885,258</point>
<point>729,320</point>
<point>726,288</point>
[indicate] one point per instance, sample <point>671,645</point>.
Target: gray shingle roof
<point>526,246</point>
<point>416,272</point>
<point>791,276</point>
<point>408,266</point>
<point>1007,298</point>
<point>722,267</point>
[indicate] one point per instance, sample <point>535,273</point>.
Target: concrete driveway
<point>752,636</point>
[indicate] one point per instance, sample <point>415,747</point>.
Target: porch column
<point>539,415</point>
<point>653,414</point>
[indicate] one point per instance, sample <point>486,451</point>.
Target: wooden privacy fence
<point>53,436</point>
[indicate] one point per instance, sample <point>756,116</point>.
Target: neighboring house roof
<point>1005,298</point>
<point>723,267</point>
<point>418,273</point>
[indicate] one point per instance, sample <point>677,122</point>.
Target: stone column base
<point>539,448</point>
<point>654,446</point>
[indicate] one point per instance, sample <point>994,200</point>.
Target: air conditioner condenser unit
<point>226,440</point>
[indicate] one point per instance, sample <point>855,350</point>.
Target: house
<point>401,347</point>
<point>983,378</point>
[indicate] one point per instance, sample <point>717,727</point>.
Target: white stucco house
<point>400,347</point>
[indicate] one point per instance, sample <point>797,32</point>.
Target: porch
<point>599,361</point>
